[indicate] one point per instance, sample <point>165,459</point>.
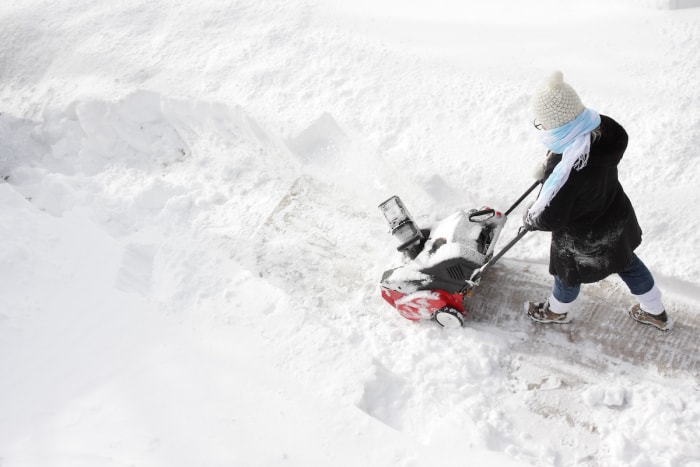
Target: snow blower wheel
<point>449,318</point>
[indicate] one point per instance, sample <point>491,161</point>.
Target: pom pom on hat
<point>556,103</point>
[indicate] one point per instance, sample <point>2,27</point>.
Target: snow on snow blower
<point>443,264</point>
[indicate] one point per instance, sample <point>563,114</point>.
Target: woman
<point>593,224</point>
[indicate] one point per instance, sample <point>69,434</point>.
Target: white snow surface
<point>191,247</point>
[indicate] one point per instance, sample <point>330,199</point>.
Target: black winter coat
<point>593,224</point>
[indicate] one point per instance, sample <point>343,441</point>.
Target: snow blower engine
<point>442,265</point>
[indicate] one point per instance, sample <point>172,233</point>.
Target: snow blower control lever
<point>521,233</point>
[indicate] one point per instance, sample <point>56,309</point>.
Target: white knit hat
<point>556,103</point>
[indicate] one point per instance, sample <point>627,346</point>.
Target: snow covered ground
<point>191,246</point>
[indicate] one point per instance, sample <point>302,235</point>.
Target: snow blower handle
<point>521,233</point>
<point>478,272</point>
<point>522,197</point>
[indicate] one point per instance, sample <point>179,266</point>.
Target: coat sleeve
<point>559,213</point>
<point>561,208</point>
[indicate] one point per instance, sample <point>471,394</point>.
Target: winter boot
<point>541,313</point>
<point>659,321</point>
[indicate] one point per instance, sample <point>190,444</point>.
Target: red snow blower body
<point>442,265</point>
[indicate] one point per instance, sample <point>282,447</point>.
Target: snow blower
<point>442,265</point>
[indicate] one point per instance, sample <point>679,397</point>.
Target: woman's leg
<point>554,310</point>
<point>641,283</point>
<point>563,296</point>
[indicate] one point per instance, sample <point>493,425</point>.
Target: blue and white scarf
<point>573,142</point>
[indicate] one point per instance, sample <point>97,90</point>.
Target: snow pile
<point>191,240</point>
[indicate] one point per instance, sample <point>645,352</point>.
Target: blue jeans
<point>636,276</point>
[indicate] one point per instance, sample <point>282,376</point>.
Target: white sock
<point>558,307</point>
<point>651,301</point>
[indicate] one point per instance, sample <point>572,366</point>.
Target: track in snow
<point>600,320</point>
<point>601,326</point>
